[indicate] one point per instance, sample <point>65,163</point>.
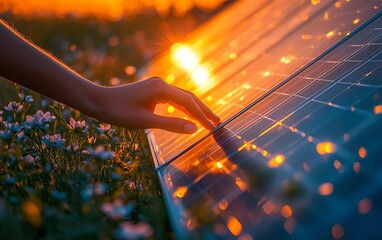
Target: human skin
<point>131,105</point>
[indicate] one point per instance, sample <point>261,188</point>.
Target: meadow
<point>64,175</point>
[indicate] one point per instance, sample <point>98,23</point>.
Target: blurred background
<point>107,41</point>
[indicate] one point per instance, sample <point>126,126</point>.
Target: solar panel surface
<point>299,158</point>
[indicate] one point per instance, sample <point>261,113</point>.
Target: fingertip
<point>190,128</point>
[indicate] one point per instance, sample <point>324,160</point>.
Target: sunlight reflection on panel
<point>310,147</point>
<point>229,66</point>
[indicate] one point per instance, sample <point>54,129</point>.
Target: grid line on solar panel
<point>260,75</point>
<point>322,154</point>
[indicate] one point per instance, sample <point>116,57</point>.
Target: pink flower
<point>129,230</point>
<point>77,125</point>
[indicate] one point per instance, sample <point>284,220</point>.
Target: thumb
<point>172,124</point>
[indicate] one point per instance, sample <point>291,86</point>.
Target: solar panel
<point>299,89</point>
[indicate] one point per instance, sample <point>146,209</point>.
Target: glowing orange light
<point>32,213</point>
<point>264,153</point>
<point>337,4</point>
<point>338,231</point>
<point>184,56</point>
<point>170,79</point>
<point>219,165</point>
<point>209,98</point>
<point>337,164</point>
<point>200,75</point>
<point>234,226</point>
<point>276,161</point>
<point>325,148</point>
<point>286,59</point>
<point>362,152</point>
<point>286,211</point>
<point>364,206</point>
<point>356,167</point>
<point>378,109</point>
<point>325,189</point>
<point>232,56</point>
<point>330,34</point>
<point>266,74</point>
<point>241,184</point>
<point>356,21</point>
<point>315,2</point>
<point>180,192</point>
<point>269,207</point>
<point>223,204</point>
<point>306,37</point>
<point>170,109</point>
<point>326,16</point>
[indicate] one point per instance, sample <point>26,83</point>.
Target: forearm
<point>29,66</point>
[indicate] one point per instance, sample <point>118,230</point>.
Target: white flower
<point>53,141</point>
<point>77,125</point>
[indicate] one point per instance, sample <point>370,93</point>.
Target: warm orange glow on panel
<point>234,226</point>
<point>378,109</point>
<point>241,184</point>
<point>219,165</point>
<point>209,98</point>
<point>223,204</point>
<point>200,75</point>
<point>325,148</point>
<point>364,206</point>
<point>180,192</point>
<point>276,161</point>
<point>338,4</point>
<point>170,109</point>
<point>184,56</point>
<point>232,56</point>
<point>325,189</point>
<point>315,2</point>
<point>286,211</point>
<point>330,34</point>
<point>362,152</point>
<point>338,231</point>
<point>286,59</point>
<point>356,21</point>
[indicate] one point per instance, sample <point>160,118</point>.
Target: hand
<point>132,106</point>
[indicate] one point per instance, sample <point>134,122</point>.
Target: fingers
<point>177,125</point>
<point>210,115</point>
<point>192,104</point>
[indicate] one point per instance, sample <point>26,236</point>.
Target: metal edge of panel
<point>173,212</point>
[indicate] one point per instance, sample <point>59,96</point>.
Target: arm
<point>130,105</point>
